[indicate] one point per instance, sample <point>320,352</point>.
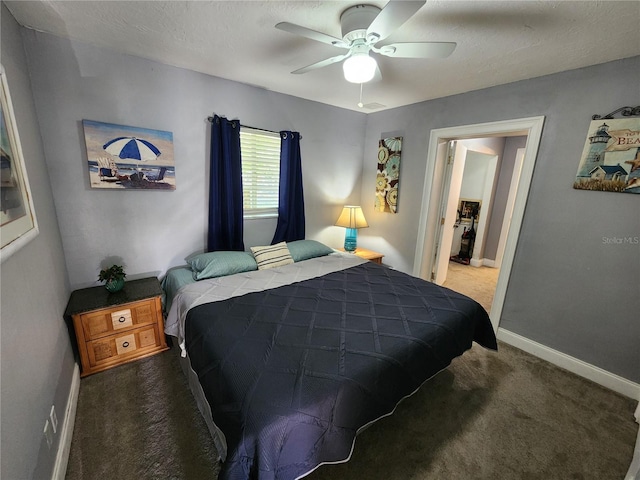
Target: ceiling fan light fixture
<point>359,68</point>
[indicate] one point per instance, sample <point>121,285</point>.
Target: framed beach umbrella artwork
<point>130,158</point>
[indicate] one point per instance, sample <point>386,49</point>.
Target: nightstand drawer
<point>116,347</point>
<point>100,323</point>
<point>125,344</point>
<point>121,319</point>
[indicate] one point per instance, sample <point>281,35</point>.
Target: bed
<point>289,364</point>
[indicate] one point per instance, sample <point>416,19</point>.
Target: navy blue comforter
<point>291,374</point>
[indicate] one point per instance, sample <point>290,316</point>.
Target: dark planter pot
<point>115,285</point>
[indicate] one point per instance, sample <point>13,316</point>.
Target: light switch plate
<point>48,433</point>
<point>54,418</point>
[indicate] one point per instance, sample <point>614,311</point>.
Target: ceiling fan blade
<point>417,50</point>
<point>393,15</point>
<point>323,63</point>
<point>311,34</point>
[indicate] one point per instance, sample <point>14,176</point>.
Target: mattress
<point>221,288</point>
<point>174,280</point>
<point>292,373</point>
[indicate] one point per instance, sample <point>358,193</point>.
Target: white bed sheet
<point>222,288</point>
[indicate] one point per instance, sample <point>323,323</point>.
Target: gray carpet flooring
<point>504,415</point>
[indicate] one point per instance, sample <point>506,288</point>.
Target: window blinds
<point>260,152</point>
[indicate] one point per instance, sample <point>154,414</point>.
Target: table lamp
<point>352,219</point>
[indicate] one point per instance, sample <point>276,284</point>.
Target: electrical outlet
<point>48,433</point>
<point>54,418</point>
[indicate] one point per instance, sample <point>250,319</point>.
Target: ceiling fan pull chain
<point>360,104</point>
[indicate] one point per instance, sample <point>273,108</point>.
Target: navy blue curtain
<point>291,199</point>
<point>225,187</point>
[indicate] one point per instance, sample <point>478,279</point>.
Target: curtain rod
<point>247,126</point>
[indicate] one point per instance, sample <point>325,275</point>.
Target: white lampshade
<point>359,68</point>
<point>352,217</point>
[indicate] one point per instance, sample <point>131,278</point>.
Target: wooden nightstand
<point>116,328</point>
<point>375,257</point>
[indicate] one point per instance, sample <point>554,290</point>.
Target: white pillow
<point>272,255</point>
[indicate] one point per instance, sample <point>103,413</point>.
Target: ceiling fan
<point>363,27</point>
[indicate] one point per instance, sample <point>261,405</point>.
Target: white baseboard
<point>474,262</point>
<point>66,432</point>
<point>591,372</point>
<point>483,262</point>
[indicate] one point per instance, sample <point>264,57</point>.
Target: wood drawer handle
<point>125,344</point>
<point>122,319</point>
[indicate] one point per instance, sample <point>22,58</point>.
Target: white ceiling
<point>498,41</point>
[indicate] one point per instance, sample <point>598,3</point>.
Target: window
<point>260,152</point>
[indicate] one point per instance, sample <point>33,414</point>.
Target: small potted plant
<point>113,278</point>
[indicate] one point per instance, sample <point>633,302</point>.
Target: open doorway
<point>461,266</point>
<point>441,196</point>
<point>482,197</point>
<point>467,201</point>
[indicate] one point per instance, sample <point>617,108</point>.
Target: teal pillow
<point>219,264</point>
<point>306,249</point>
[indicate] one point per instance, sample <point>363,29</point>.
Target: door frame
<point>434,185</point>
<point>506,221</point>
<point>444,229</point>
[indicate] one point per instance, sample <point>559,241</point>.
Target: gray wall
<point>151,231</point>
<point>501,194</point>
<point>569,289</point>
<point>37,359</point>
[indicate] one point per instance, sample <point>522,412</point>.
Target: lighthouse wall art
<point>610,159</point>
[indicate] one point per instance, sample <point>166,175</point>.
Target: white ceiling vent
<point>373,106</point>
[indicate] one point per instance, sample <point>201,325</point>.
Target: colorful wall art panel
<point>388,174</point>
